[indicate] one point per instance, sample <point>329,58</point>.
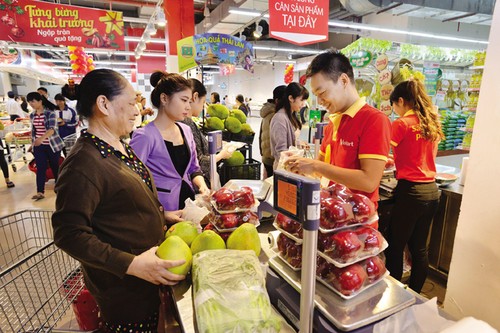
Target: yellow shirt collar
<point>409,113</point>
<point>352,110</point>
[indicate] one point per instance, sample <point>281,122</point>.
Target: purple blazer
<point>150,147</point>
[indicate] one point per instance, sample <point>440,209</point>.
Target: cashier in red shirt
<point>356,144</point>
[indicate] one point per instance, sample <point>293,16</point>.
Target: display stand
<point>298,197</point>
<point>318,136</point>
<point>214,146</point>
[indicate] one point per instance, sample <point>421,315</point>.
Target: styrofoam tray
<point>286,233</point>
<point>366,256</point>
<point>279,255</point>
<point>329,286</point>
<point>237,210</point>
<point>371,220</point>
<point>231,229</point>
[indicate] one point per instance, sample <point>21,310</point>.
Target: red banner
<point>299,22</point>
<point>55,24</point>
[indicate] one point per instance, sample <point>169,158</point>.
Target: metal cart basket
<point>38,281</point>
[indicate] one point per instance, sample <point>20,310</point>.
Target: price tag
<point>384,77</point>
<point>287,199</point>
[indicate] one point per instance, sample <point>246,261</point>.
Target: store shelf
<point>476,67</point>
<point>472,89</point>
<point>470,109</point>
<point>466,150</point>
<point>463,129</point>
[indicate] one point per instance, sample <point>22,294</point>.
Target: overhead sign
<point>299,22</point>
<point>41,22</point>
<point>215,49</point>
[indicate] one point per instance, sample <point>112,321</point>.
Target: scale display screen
<point>287,196</point>
<point>214,142</point>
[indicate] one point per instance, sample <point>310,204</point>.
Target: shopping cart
<point>38,281</point>
<point>17,136</point>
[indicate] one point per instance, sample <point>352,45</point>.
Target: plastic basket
<point>250,169</point>
<point>248,139</point>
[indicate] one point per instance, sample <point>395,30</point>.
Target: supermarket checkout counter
<point>355,315</point>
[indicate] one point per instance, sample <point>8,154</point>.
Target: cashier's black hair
<point>36,96</point>
<point>198,87</point>
<point>295,90</point>
<point>168,84</point>
<point>98,82</point>
<point>416,98</point>
<point>331,64</point>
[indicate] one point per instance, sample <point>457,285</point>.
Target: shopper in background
<point>267,112</point>
<point>67,119</point>
<point>224,100</point>
<point>197,102</point>
<point>5,167</point>
<point>415,138</point>
<point>167,146</point>
<point>46,142</point>
<point>285,126</point>
<point>214,98</point>
<point>44,92</point>
<point>356,146</point>
<point>240,104</point>
<point>114,227</point>
<point>13,108</point>
<point>21,100</point>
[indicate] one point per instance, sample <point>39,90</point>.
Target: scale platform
<point>375,303</point>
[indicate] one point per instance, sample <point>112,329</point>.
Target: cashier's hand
<point>300,165</point>
<point>149,267</point>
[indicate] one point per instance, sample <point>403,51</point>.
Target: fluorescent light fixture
<point>276,61</point>
<point>160,17</point>
<point>115,63</point>
<point>53,60</point>
<point>244,11</point>
<point>258,30</point>
<point>138,39</point>
<point>284,49</point>
<point>402,32</point>
<point>156,55</point>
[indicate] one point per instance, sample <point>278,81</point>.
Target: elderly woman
<point>167,146</point>
<point>115,225</point>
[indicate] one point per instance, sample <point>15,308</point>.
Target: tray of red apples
<point>291,228</point>
<point>289,251</point>
<point>223,234</point>
<point>231,221</point>
<point>233,200</point>
<point>349,281</point>
<point>341,208</point>
<point>390,167</point>
<point>348,246</point>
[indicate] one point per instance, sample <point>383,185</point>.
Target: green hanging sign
<point>360,59</point>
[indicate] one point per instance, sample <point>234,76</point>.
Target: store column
<point>180,24</point>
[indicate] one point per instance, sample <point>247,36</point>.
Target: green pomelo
<point>236,159</point>
<point>245,237</point>
<point>174,248</point>
<point>207,240</point>
<point>186,230</point>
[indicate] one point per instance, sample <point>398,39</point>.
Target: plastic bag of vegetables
<point>229,293</point>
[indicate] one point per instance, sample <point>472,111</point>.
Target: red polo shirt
<point>414,156</point>
<point>362,132</point>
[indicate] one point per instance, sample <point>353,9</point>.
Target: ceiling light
<point>284,49</point>
<point>258,30</point>
<point>402,32</point>
<point>160,17</point>
<point>242,37</point>
<point>244,11</point>
<point>206,11</point>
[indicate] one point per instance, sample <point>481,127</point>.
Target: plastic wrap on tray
<point>223,234</point>
<point>349,281</point>
<point>288,225</point>
<point>227,200</point>
<point>290,251</point>
<point>231,221</point>
<point>340,207</point>
<point>348,246</point>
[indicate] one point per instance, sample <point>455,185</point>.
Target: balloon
<point>73,57</point>
<point>71,48</point>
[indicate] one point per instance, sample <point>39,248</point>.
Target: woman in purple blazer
<point>167,146</point>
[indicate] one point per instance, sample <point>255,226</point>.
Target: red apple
<point>244,197</point>
<point>294,255</point>
<point>349,279</point>
<point>371,238</point>
<point>334,213</point>
<point>375,268</point>
<point>339,191</point>
<point>324,241</point>
<point>229,220</point>
<point>345,247</point>
<point>247,217</point>
<point>323,267</point>
<point>362,207</point>
<point>288,224</point>
<point>224,199</point>
<point>389,164</point>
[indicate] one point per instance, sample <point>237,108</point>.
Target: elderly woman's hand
<point>173,216</point>
<point>148,266</point>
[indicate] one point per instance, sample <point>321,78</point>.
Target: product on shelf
<point>290,251</point>
<point>230,221</point>
<point>289,225</point>
<point>226,200</point>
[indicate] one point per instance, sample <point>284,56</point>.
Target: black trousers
<point>411,218</point>
<point>3,162</point>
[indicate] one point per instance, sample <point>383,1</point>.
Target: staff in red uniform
<point>356,144</point>
<point>415,137</point>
